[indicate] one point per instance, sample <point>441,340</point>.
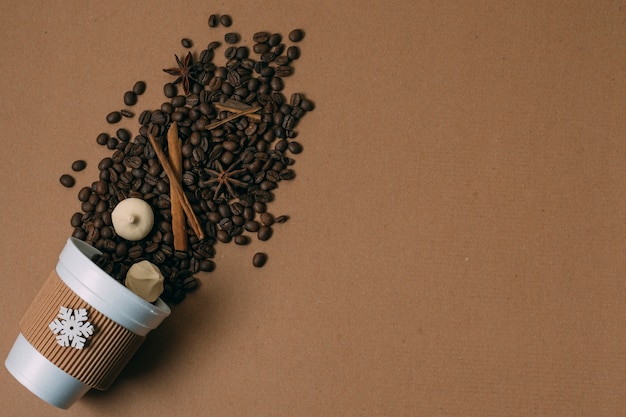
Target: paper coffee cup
<point>80,330</point>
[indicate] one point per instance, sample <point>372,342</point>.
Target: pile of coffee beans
<point>230,173</point>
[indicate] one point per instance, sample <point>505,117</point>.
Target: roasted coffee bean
<point>231,38</point>
<point>207,265</point>
<point>76,220</point>
<point>277,84</point>
<point>135,251</point>
<point>102,138</point>
<point>67,180</point>
<point>226,20</point>
<point>213,20</point>
<point>123,135</point>
<point>259,259</point>
<point>223,236</point>
<point>170,90</point>
<point>267,219</point>
<point>296,35</point>
<point>241,240</point>
<point>261,48</point>
<point>284,71</point>
<point>190,283</point>
<point>139,88</point>
<point>113,117</point>
<point>100,187</point>
<point>307,104</point>
<point>293,53</point>
<point>264,233</point>
<point>251,226</point>
<point>79,165</point>
<point>295,147</point>
<point>274,39</point>
<point>282,218</point>
<point>84,194</point>
<point>127,113</point>
<point>287,174</point>
<point>130,98</point>
<point>186,43</point>
<point>259,207</point>
<point>261,36</point>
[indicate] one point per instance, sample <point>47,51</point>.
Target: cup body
<point>80,330</point>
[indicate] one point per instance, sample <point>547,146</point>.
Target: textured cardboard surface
<point>457,223</point>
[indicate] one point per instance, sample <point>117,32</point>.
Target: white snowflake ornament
<point>71,327</point>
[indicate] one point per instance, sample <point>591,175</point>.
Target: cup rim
<point>105,293</point>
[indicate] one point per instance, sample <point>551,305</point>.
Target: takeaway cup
<point>80,330</point>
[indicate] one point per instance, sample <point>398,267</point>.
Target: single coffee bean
<point>261,36</point>
<point>127,113</point>
<point>261,48</point>
<point>307,104</point>
<point>264,233</point>
<point>213,20</point>
<point>114,117</point>
<point>294,147</point>
<point>251,226</point>
<point>296,35</point>
<point>190,283</point>
<point>267,219</point>
<point>130,98</point>
<point>79,165</point>
<point>100,187</point>
<point>223,236</point>
<point>282,218</point>
<point>207,265</point>
<point>293,53</point>
<point>231,38</point>
<point>84,194</point>
<point>226,20</point>
<point>102,139</point>
<point>259,259</point>
<point>67,180</point>
<point>241,240</point>
<point>186,42</point>
<point>170,90</point>
<point>275,39</point>
<point>77,219</point>
<point>139,88</point>
<point>123,135</point>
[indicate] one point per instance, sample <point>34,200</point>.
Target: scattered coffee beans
<point>230,173</point>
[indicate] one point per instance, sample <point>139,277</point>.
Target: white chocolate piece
<point>145,279</point>
<point>132,219</point>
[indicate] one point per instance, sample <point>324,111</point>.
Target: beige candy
<point>145,279</point>
<point>132,219</point>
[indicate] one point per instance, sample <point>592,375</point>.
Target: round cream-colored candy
<point>145,279</point>
<point>132,218</point>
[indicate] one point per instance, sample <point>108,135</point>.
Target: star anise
<point>225,179</point>
<point>184,72</point>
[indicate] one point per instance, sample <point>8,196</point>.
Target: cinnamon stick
<point>234,106</point>
<point>178,189</point>
<point>179,223</point>
<point>232,117</point>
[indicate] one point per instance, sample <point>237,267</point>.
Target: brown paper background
<point>457,223</point>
